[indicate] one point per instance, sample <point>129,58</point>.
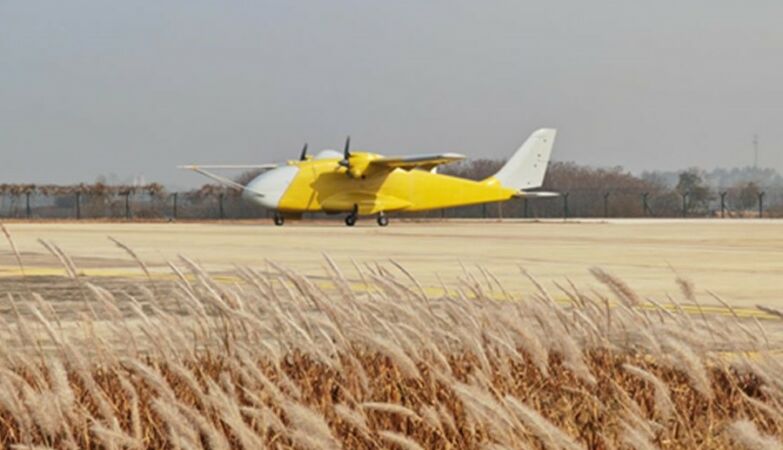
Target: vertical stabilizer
<point>526,168</point>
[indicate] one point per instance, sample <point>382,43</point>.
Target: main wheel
<point>383,220</point>
<point>279,220</point>
<point>350,220</point>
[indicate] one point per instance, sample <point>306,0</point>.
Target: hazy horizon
<point>92,88</point>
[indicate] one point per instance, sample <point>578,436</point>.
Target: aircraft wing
<point>367,202</point>
<point>426,161</point>
<point>228,166</point>
<point>223,180</point>
<point>536,194</point>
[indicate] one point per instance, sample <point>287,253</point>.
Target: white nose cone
<point>268,188</point>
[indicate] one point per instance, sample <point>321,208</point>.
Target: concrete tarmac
<point>740,260</point>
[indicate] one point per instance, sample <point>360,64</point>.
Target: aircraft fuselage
<point>326,185</point>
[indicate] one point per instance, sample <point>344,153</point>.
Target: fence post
<point>443,213</point>
<point>565,205</point>
<point>500,210</point>
<point>685,204</point>
<point>645,205</point>
<point>723,204</point>
<point>761,205</point>
<point>606,205</point>
<point>524,207</point>
<point>484,210</point>
<point>28,210</point>
<point>78,205</point>
<point>151,201</point>
<point>220,204</point>
<point>127,206</point>
<point>174,208</point>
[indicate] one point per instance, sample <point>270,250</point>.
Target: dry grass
<point>278,361</point>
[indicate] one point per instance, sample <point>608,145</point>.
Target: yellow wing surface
<point>426,162</point>
<point>377,183</point>
<point>366,202</point>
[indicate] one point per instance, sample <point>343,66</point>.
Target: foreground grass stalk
<point>278,361</point>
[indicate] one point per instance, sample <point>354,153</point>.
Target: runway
<point>740,261</point>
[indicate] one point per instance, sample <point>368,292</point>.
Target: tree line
<point>586,192</point>
<point>616,192</point>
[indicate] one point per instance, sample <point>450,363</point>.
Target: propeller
<point>346,162</point>
<point>303,156</point>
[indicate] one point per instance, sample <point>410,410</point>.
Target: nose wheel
<point>279,219</point>
<point>383,220</point>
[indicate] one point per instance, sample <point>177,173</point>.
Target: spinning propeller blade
<point>346,162</point>
<point>303,156</point>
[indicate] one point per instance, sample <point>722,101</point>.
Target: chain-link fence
<point>594,203</point>
<point>219,204</point>
<point>187,205</point>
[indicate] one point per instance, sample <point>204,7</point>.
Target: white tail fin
<point>526,168</point>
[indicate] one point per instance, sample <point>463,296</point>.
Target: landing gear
<point>383,220</point>
<point>351,218</point>
<point>279,219</point>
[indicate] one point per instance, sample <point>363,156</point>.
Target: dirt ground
<point>740,260</point>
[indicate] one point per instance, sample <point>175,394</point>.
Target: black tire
<point>279,220</point>
<point>350,220</point>
<point>383,220</point>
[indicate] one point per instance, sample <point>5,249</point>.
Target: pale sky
<point>98,87</point>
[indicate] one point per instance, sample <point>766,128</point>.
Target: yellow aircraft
<point>363,183</point>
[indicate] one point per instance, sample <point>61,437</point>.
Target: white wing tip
<point>227,166</point>
<point>537,194</point>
